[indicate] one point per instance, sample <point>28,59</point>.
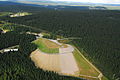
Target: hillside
<point>99,30</point>
<point>39,5</point>
<point>17,65</point>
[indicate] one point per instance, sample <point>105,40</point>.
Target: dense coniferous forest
<point>18,7</point>
<point>18,65</point>
<point>99,30</point>
<point>19,28</point>
<point>13,38</point>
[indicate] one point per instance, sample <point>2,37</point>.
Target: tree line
<point>18,65</point>
<point>99,30</point>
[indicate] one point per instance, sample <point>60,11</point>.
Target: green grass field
<point>104,78</point>
<point>43,45</point>
<point>84,66</point>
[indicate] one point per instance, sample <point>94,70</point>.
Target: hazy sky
<point>92,1</point>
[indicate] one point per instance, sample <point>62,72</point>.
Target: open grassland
<point>87,71</point>
<point>64,40</point>
<point>104,78</point>
<point>50,44</point>
<point>47,46</point>
<point>84,67</point>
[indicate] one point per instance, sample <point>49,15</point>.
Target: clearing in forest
<point>62,63</point>
<point>86,69</point>
<point>47,46</point>
<point>67,61</point>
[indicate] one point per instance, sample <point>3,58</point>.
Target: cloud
<point>94,1</point>
<point>91,1</point>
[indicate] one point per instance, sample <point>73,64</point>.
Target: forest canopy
<point>99,30</point>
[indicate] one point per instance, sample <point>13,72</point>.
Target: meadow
<point>47,46</point>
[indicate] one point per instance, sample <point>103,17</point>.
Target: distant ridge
<point>50,6</point>
<point>64,2</point>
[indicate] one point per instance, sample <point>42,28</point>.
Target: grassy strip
<point>104,78</point>
<point>44,48</point>
<point>85,68</point>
